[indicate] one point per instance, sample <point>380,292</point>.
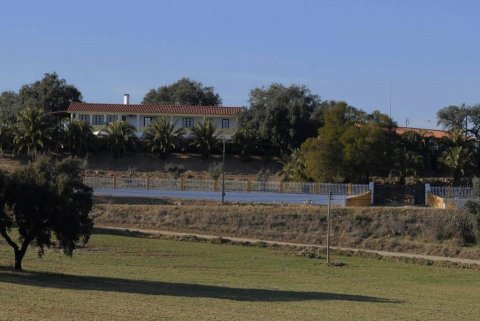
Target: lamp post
<point>328,226</point>
<point>223,172</point>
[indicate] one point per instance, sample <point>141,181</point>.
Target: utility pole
<point>390,98</point>
<point>223,172</point>
<point>466,125</point>
<point>328,226</point>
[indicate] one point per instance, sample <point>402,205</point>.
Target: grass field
<point>127,278</point>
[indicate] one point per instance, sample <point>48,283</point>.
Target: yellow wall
<point>363,200</point>
<point>438,202</point>
<point>435,201</point>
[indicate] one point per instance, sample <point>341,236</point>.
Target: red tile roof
<point>429,132</point>
<point>154,109</point>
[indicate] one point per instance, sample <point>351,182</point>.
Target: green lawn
<point>126,278</point>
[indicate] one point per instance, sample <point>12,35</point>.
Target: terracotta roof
<point>154,109</point>
<point>437,133</point>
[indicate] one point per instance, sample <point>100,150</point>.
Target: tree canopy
<point>351,146</point>
<point>9,105</point>
<point>45,198</point>
<point>183,92</point>
<point>323,154</point>
<point>281,116</point>
<point>51,93</point>
<point>462,117</point>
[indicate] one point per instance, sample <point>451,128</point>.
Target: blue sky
<point>348,50</point>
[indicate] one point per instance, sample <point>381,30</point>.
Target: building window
<point>111,118</point>
<point>188,122</point>
<point>148,120</point>
<point>225,123</point>
<point>84,118</point>
<point>98,119</point>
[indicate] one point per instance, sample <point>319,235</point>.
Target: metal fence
<point>453,192</point>
<point>459,202</point>
<point>99,182</point>
<point>457,196</point>
<point>183,184</point>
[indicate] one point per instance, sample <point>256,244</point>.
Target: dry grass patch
<point>414,230</point>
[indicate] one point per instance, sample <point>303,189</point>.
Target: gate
<point>398,195</point>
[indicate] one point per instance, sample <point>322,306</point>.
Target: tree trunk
<point>19,254</point>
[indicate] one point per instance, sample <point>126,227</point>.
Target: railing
<point>453,192</point>
<point>454,196</point>
<point>183,184</point>
<point>459,202</point>
<point>100,182</point>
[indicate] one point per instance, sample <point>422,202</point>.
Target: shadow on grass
<point>120,232</point>
<point>114,200</point>
<point>95,283</point>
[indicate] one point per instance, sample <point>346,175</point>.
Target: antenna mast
<point>390,97</point>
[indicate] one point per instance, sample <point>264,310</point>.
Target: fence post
<point>281,187</point>
<point>114,182</point>
<point>371,188</point>
<point>349,192</point>
<point>182,184</point>
<point>428,189</point>
<point>249,185</point>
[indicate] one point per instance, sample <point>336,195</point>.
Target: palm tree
<point>406,162</point>
<point>423,143</point>
<point>205,136</point>
<point>458,155</point>
<point>78,136</point>
<point>457,138</point>
<point>33,131</point>
<point>118,135</point>
<point>294,167</point>
<point>458,159</point>
<point>247,141</point>
<point>162,136</point>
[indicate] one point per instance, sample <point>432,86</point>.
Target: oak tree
<point>183,92</point>
<point>43,200</point>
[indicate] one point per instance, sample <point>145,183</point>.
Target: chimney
<point>126,99</point>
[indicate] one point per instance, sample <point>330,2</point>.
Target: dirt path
<point>252,240</point>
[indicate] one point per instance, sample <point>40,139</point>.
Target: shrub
<point>263,175</point>
<point>215,170</point>
<point>174,170</point>
<point>473,208</point>
<point>466,228</point>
